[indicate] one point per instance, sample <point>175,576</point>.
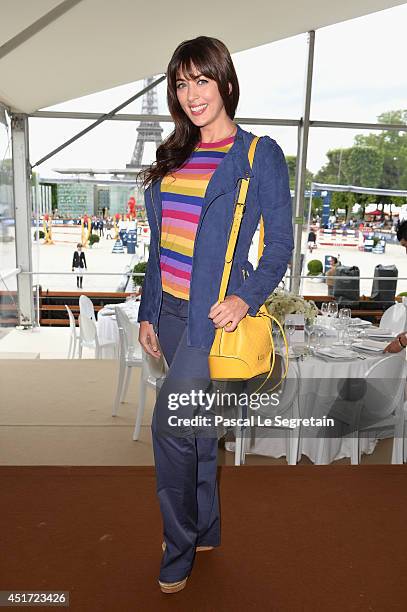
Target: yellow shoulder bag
<point>248,351</point>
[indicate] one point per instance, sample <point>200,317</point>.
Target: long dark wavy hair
<point>211,58</point>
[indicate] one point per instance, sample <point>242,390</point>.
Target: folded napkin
<point>360,322</point>
<point>335,353</point>
<point>370,345</point>
<point>380,332</point>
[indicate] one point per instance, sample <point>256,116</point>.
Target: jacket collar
<point>233,167</point>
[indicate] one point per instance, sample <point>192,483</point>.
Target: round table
<point>318,382</point>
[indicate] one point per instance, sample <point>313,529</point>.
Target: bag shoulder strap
<point>237,219</point>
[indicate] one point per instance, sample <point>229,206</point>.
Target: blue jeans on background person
<point>186,463</point>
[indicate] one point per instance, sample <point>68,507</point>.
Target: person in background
<point>101,226</point>
<point>400,341</point>
<point>330,273</point>
<point>312,240</point>
<point>78,263</point>
<point>109,228</point>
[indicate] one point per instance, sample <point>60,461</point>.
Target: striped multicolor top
<point>182,201</point>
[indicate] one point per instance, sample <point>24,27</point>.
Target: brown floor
<point>329,538</point>
<point>59,412</point>
<point>81,515</point>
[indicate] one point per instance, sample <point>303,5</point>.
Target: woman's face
<point>199,98</point>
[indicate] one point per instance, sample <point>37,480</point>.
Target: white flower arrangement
<point>281,303</point>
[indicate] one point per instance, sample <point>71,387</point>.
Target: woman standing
<point>190,197</point>
<point>78,263</point>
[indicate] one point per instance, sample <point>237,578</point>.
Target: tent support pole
<point>101,119</point>
<point>22,208</point>
<point>300,171</point>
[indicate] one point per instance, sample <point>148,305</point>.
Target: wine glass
<point>324,309</point>
<point>289,326</point>
<point>353,334</point>
<point>332,309</point>
<point>348,339</point>
<point>320,334</point>
<point>346,315</point>
<point>339,325</point>
<point>315,338</point>
<point>312,340</point>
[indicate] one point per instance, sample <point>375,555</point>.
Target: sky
<point>359,72</point>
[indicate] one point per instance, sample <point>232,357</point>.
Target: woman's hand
<point>148,339</point>
<point>395,346</point>
<point>228,313</point>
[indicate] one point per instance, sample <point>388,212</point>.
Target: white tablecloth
<point>108,330</point>
<point>315,397</point>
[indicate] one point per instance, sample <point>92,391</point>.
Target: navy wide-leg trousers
<point>186,463</point>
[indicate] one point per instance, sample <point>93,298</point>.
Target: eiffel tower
<point>147,131</point>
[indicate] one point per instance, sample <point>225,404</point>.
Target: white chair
<point>86,307</point>
<point>399,454</point>
<point>394,318</point>
<point>88,337</point>
<point>74,338</point>
<point>377,404</point>
<point>288,407</point>
<point>153,371</point>
<point>130,355</point>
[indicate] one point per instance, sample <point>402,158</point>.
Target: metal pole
<point>37,212</point>
<point>36,27</point>
<point>308,227</point>
<point>23,208</point>
<point>101,119</point>
<point>301,168</point>
<point>397,127</point>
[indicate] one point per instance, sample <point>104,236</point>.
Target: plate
<point>335,353</point>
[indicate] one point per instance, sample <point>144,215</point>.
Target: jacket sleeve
<point>275,206</point>
<point>73,260</point>
<point>84,260</point>
<point>145,312</point>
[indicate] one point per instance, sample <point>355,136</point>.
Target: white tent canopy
<point>52,50</point>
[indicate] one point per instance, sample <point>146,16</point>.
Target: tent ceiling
<point>99,44</point>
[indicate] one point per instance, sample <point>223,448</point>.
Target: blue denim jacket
<point>269,195</point>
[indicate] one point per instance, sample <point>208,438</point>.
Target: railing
<point>9,298</point>
<point>49,304</point>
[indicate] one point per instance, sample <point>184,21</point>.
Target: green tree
<point>364,166</point>
<point>360,166</point>
<point>292,164</point>
<point>333,172</point>
<point>392,145</point>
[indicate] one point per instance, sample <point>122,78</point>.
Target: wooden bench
<point>67,297</point>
